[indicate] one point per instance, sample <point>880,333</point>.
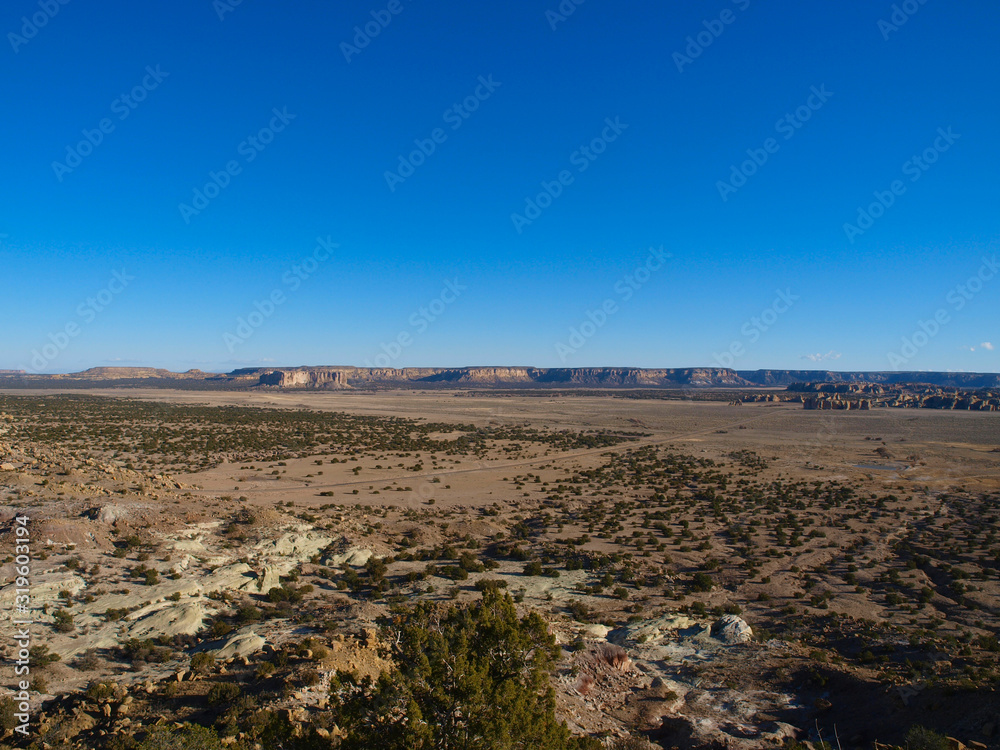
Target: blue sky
<point>483,183</point>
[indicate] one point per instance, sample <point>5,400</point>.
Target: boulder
<point>111,513</point>
<point>241,645</point>
<point>731,629</point>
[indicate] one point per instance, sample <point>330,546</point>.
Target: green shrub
<point>202,662</point>
<point>702,582</point>
<point>63,621</point>
<point>503,697</point>
<point>189,737</point>
<point>921,738</point>
<point>223,692</point>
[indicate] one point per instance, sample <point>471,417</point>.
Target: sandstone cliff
<point>305,377</point>
<point>593,377</point>
<point>485,377</point>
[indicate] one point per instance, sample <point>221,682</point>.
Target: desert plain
<point>715,575</point>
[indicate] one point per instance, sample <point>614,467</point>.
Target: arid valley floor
<point>201,556</point>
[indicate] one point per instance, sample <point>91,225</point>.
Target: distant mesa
<point>129,373</point>
<point>338,378</point>
<point>511,377</point>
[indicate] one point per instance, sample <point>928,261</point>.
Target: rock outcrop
<point>731,629</point>
<point>592,377</point>
<point>952,379</point>
<point>305,377</point>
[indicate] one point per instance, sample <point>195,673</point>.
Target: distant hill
<point>329,377</point>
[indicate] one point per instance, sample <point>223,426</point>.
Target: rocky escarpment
<point>593,377</point>
<point>130,373</point>
<point>829,396</point>
<point>305,377</point>
<point>951,379</point>
<point>484,377</point>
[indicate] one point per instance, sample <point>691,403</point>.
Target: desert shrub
<point>248,614</point>
<point>454,572</point>
<point>63,621</point>
<point>99,691</point>
<point>288,593</point>
<point>189,737</point>
<point>921,738</point>
<point>580,611</point>
<point>490,583</point>
<point>88,661</point>
<point>309,678</point>
<point>7,710</point>
<point>223,692</point>
<point>533,568</point>
<point>41,656</point>
<point>988,643</point>
<point>702,582</point>
<point>202,662</point>
<point>630,743</point>
<point>145,651</point>
<point>477,676</point>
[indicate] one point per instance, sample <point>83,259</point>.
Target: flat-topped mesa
<point>342,377</point>
<point>594,377</point>
<point>640,377</point>
<point>132,373</point>
<point>308,377</point>
<point>486,375</point>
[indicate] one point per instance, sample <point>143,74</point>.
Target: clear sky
<point>413,183</point>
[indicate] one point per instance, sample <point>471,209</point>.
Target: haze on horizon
<point>394,184</point>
